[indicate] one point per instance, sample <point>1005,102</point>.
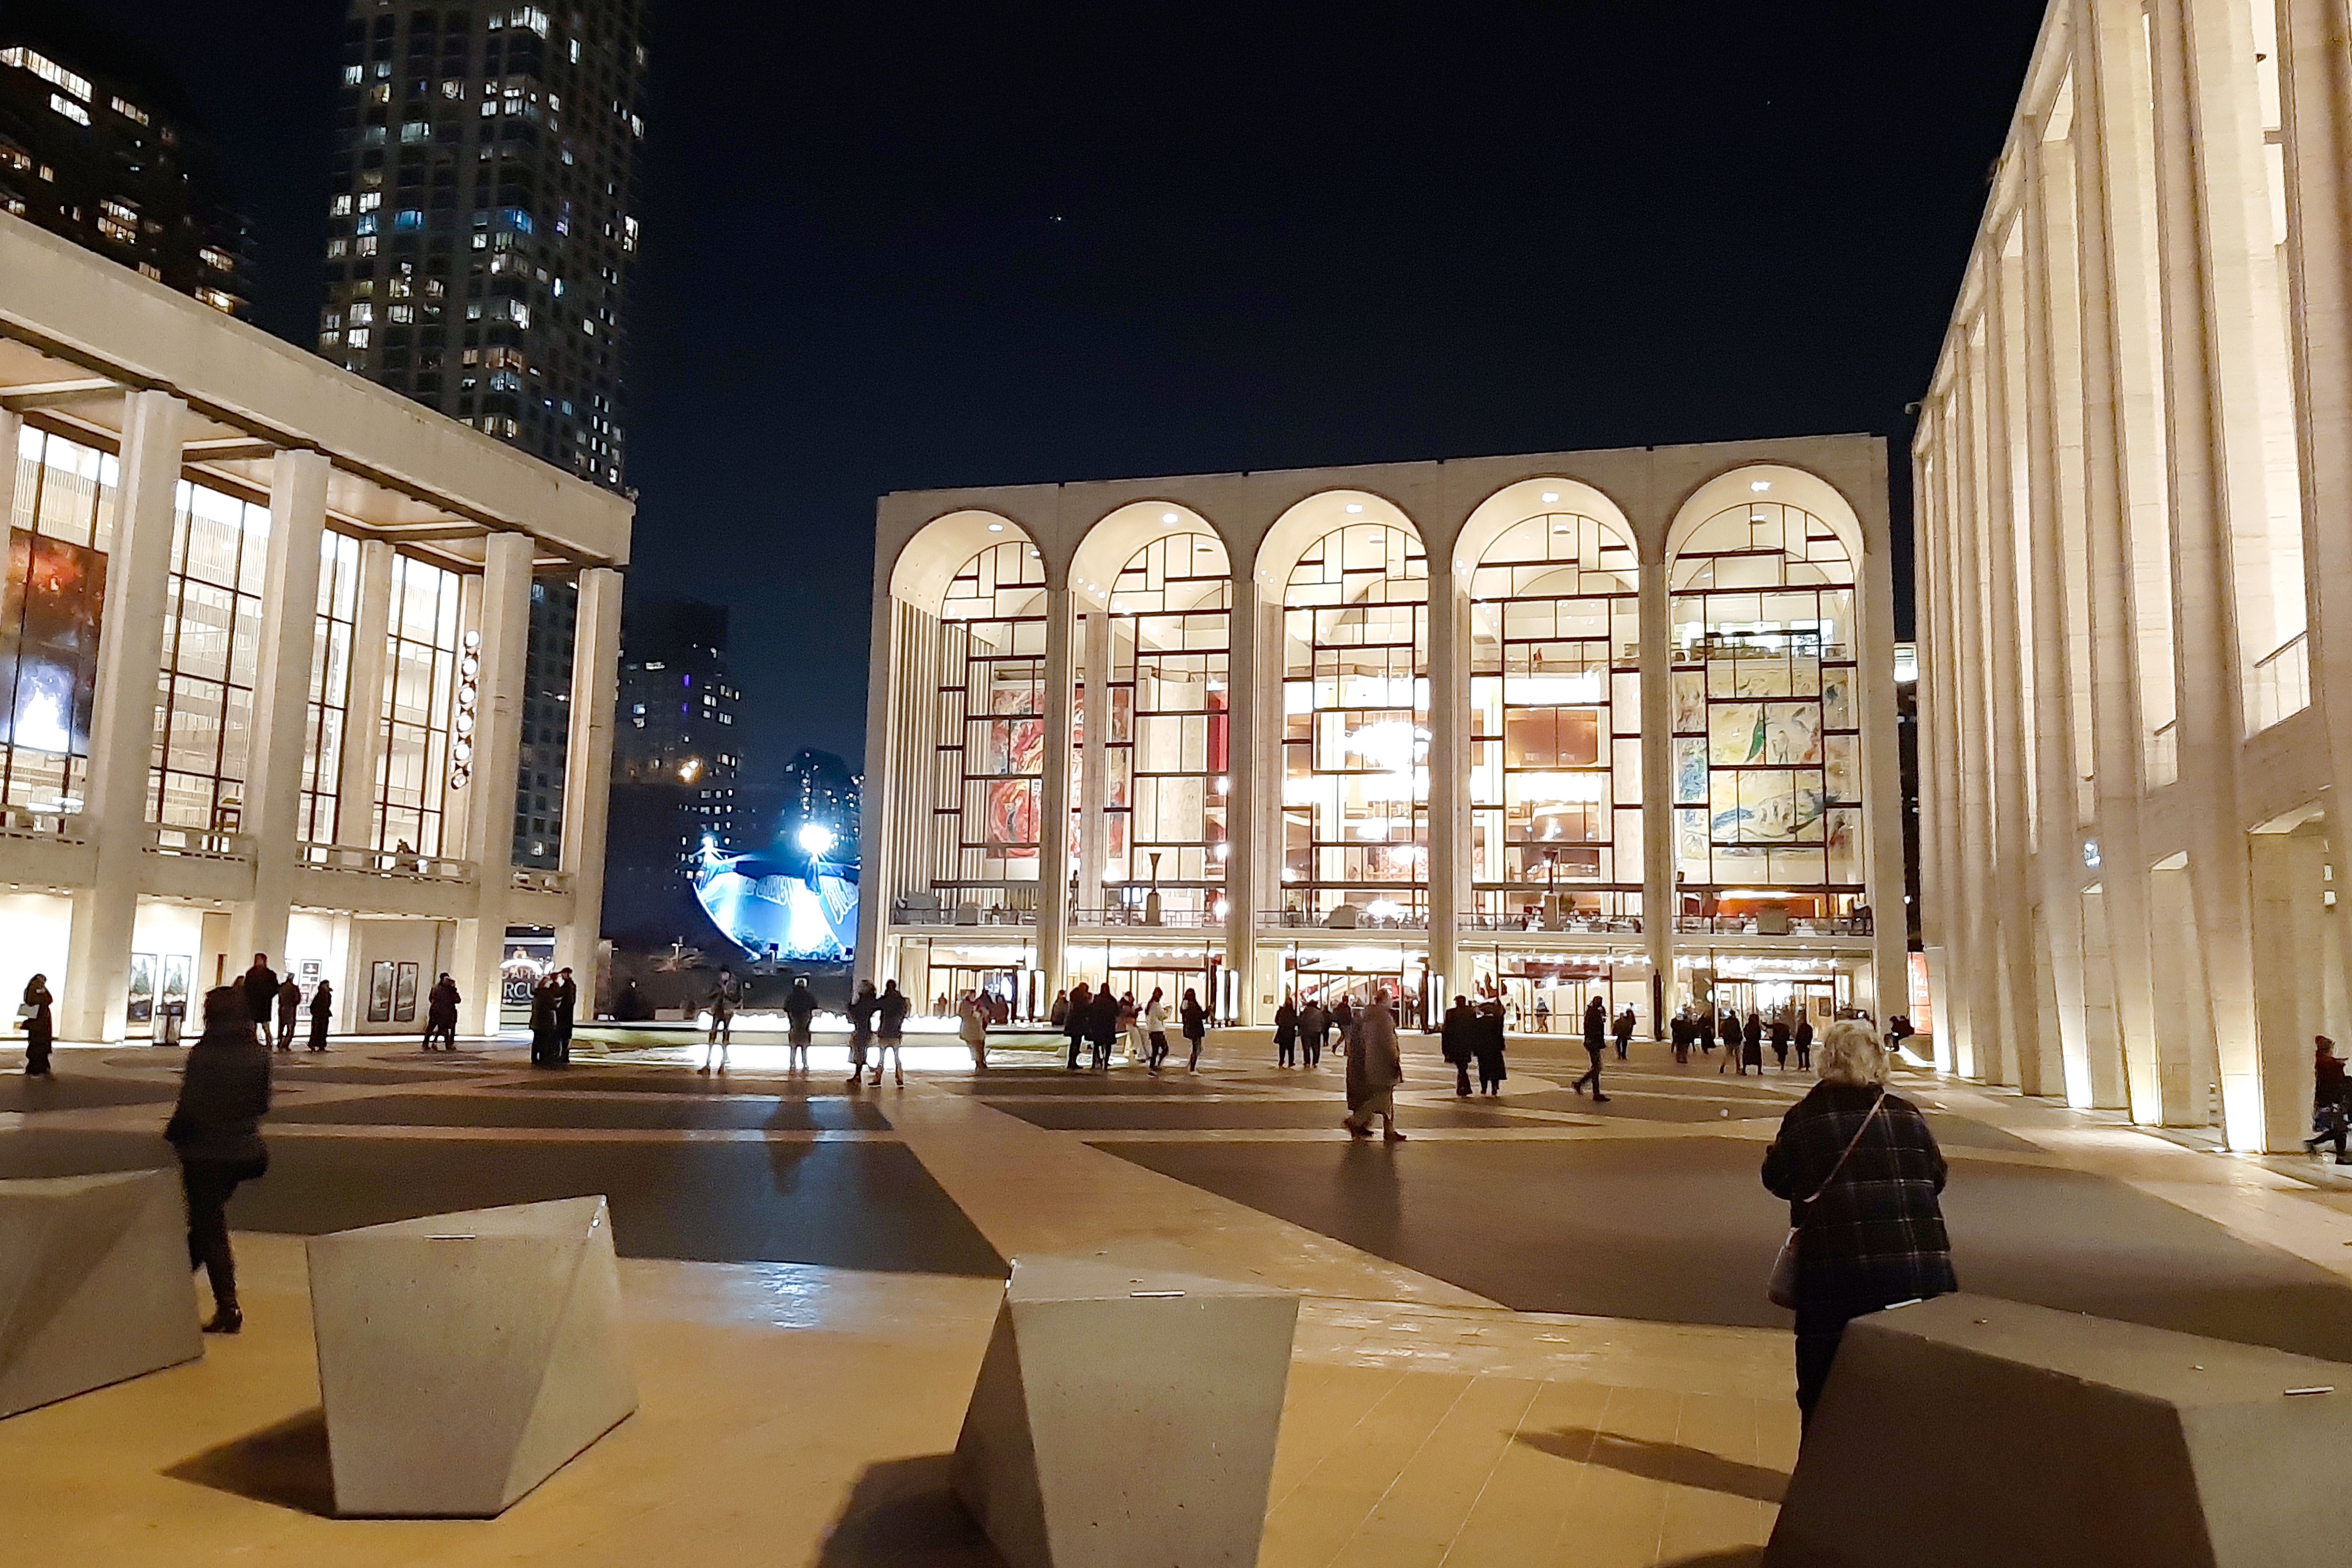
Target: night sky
<point>893,247</point>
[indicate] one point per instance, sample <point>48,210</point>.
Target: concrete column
<point>1926,478</point>
<point>1939,719</point>
<point>1882,772</point>
<point>886,774</point>
<point>2208,673</point>
<point>1660,905</point>
<point>1449,766</point>
<point>282,692</point>
<point>363,716</point>
<point>1980,1056</point>
<point>1094,776</point>
<point>2059,859</point>
<point>1251,768</point>
<point>497,749</point>
<point>122,716</point>
<point>2290,958</point>
<point>1054,813</point>
<point>588,770</point>
<point>2185,1055</point>
<point>12,431</point>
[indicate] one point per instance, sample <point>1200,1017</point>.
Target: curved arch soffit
<point>1117,537</point>
<point>1788,486</point>
<point>1318,516</point>
<point>927,563</point>
<point>1514,503</point>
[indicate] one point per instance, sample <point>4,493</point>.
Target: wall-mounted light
<point>461,724</point>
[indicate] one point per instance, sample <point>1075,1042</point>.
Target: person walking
<point>1343,1020</point>
<point>216,1130</point>
<point>1596,1044</point>
<point>1805,1042</point>
<point>890,1031</point>
<point>2331,1101</point>
<point>1155,1024</point>
<point>323,1013</point>
<point>971,1023</point>
<point>724,999</point>
<point>1130,1028</point>
<point>1313,1025</point>
<point>41,1029</point>
<point>567,1009</point>
<point>1543,1016</point>
<point>1286,1032</point>
<point>542,1022</point>
<point>1487,1041</point>
<point>1081,1018</point>
<point>1730,1032</point>
<point>1864,1181</point>
<point>1622,1031</point>
<point>1752,1049</point>
<point>1781,1037</point>
<point>260,985</point>
<point>290,1005</point>
<point>441,1014</point>
<point>1457,1042</point>
<point>1375,1066</point>
<point>1679,1030</point>
<point>1195,1019</point>
<point>861,1028</point>
<point>799,1015</point>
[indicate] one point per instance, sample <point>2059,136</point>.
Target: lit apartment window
<point>70,109</point>
<point>149,270</point>
<point>628,234</point>
<point>48,70</point>
<point>338,247</point>
<point>371,200</point>
<point>350,76</point>
<point>339,207</point>
<point>219,260</point>
<point>219,299</point>
<point>363,313</point>
<point>129,110</point>
<point>356,338</point>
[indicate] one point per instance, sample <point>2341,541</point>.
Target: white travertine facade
<point>2135,581</point>
<point>261,665</point>
<point>1616,722</point>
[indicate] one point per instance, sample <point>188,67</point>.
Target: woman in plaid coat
<point>1875,1235</point>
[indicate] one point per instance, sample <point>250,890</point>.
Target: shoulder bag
<point>1780,1289</point>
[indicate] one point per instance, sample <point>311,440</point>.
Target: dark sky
<point>891,247</point>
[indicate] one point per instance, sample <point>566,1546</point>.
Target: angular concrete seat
<point>464,1358</point>
<point>1124,1416</point>
<point>1972,1432</point>
<point>94,1284</point>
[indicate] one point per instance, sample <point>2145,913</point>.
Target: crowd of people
<point>1096,1021</point>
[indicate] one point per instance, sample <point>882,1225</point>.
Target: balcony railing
<point>535,879</point>
<point>1793,925</point>
<point>404,864</point>
<point>1346,917</point>
<point>1117,915</point>
<point>1599,925</point>
<point>197,843</point>
<point>2282,685</point>
<point>928,909</point>
<point>43,826</point>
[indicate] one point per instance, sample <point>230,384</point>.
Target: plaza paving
<point>1533,1333</point>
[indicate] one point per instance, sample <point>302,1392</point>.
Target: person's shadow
<point>902,1513</point>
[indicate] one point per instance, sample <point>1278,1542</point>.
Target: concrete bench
<point>1972,1432</point>
<point>1126,1416</point>
<point>95,1285</point>
<point>464,1358</point>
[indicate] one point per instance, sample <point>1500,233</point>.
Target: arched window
<point>1768,749</point>
<point>1354,704</point>
<point>1164,800</point>
<point>992,733</point>
<point>1556,721</point>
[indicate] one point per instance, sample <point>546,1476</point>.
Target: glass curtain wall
<point>212,637</point>
<point>1768,749</point>
<point>1164,752</point>
<point>991,730</point>
<point>327,716</point>
<point>1355,702</point>
<point>1556,725</point>
<point>59,531</point>
<point>419,684</point>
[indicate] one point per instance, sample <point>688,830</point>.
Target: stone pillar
<point>1980,1054</point>
<point>2208,671</point>
<point>1449,767</point>
<point>1882,772</point>
<point>497,748</point>
<point>1927,613</point>
<point>1054,806</point>
<point>2290,958</point>
<point>363,713</point>
<point>122,716</point>
<point>2104,195</point>
<point>886,774</point>
<point>1939,721</point>
<point>282,692</point>
<point>1660,904</point>
<point>1093,776</point>
<point>1248,743</point>
<point>2060,860</point>
<point>588,772</point>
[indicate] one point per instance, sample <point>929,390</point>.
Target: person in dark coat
<point>323,1013</point>
<point>542,1023</point>
<point>1457,1042</point>
<point>1489,1039</point>
<point>1729,1030</point>
<point>2331,1101</point>
<point>1805,1042</point>
<point>1286,1032</point>
<point>1871,1231</point>
<point>1752,1051</point>
<point>216,1129</point>
<point>1194,1018</point>
<point>890,1031</point>
<point>1313,1025</point>
<point>1102,1028</point>
<point>1081,1018</point>
<point>441,1014</point>
<point>1596,1043</point>
<point>799,1015</point>
<point>289,1006</point>
<point>567,1007</point>
<point>41,1029</point>
<point>1622,1031</point>
<point>260,985</point>
<point>1781,1034</point>
<point>862,1008</point>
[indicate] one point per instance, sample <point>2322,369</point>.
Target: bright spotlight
<point>817,839</point>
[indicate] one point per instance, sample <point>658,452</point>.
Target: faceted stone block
<point>1969,1433</point>
<point>94,1284</point>
<point>464,1358</point>
<point>1125,1416</point>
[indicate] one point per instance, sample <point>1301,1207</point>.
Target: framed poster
<point>404,994</point>
<point>178,969</point>
<point>143,989</point>
<point>379,1009</point>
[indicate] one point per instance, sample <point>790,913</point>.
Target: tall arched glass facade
<point>992,726</point>
<point>1355,707</point>
<point>1556,723</point>
<point>1165,751</point>
<point>1766,722</point>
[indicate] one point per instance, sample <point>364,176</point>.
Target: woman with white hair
<point>1861,1175</point>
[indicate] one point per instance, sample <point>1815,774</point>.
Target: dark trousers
<point>1313,1045</point>
<point>1817,1348</point>
<point>1194,1066</point>
<point>37,1052</point>
<point>1462,1078</point>
<point>1286,1052</point>
<point>1593,1075</point>
<point>1622,1040</point>
<point>318,1031</point>
<point>1490,1076</point>
<point>208,1183</point>
<point>1804,1054</point>
<point>1159,1049</point>
<point>1076,1041</point>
